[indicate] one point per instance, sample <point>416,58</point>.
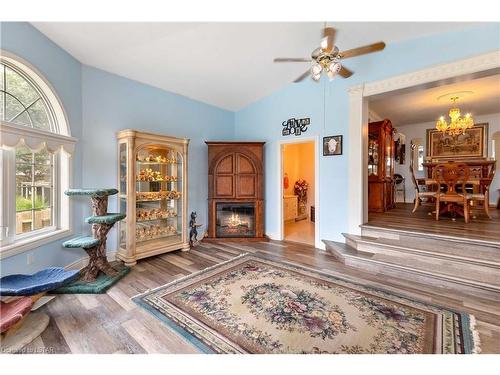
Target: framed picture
<point>332,145</point>
<point>473,144</point>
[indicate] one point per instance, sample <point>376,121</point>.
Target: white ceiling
<point>229,65</point>
<point>478,96</point>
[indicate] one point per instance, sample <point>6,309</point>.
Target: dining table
<point>481,174</point>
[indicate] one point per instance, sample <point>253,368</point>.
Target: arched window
<point>21,102</point>
<point>35,151</point>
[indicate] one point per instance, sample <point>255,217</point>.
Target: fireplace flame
<point>234,220</point>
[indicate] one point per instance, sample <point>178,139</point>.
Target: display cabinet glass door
<point>158,195</point>
<point>373,154</point>
<point>122,198</point>
<point>388,155</point>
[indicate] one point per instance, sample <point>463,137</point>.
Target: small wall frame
<point>332,145</point>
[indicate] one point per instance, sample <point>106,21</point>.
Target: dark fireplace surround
<point>235,190</point>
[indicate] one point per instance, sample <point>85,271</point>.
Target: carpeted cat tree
<point>95,245</point>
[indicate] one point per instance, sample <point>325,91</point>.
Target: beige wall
<point>298,162</point>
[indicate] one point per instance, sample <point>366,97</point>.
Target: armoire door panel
<point>244,164</point>
<point>246,185</point>
<point>224,186</point>
<point>226,165</point>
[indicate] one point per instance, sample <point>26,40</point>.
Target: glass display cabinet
<point>152,183</point>
<point>381,156</point>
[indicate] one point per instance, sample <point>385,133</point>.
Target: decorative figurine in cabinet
<point>152,182</point>
<point>380,166</point>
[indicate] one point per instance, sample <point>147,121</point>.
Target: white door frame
<point>317,242</point>
<point>358,121</point>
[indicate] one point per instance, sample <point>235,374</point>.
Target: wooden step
<point>443,274</point>
<point>430,240</point>
<point>449,251</point>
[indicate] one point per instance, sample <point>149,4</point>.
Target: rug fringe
<point>190,275</point>
<point>475,335</point>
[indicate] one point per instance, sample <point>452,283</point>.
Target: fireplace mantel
<point>235,175</point>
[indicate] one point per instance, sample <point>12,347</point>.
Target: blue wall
<point>99,104</point>
<point>112,103</point>
<point>64,73</point>
<point>305,99</point>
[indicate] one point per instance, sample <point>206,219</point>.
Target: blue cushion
<point>82,241</point>
<point>109,218</point>
<point>42,281</point>
<point>91,192</point>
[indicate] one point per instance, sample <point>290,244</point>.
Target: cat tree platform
<point>102,222</point>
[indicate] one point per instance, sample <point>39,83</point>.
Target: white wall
<point>419,131</point>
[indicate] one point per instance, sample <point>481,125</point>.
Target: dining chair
<point>484,192</point>
<point>420,194</point>
<point>452,175</point>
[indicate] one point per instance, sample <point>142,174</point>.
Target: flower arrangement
<point>300,189</point>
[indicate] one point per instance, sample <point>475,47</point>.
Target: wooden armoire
<point>235,190</point>
<point>381,155</point>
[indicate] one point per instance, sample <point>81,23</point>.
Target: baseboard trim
<point>273,236</point>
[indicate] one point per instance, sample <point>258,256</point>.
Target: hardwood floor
<point>401,217</point>
<point>300,231</point>
<point>112,323</point>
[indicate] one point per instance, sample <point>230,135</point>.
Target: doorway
<point>361,96</point>
<point>298,180</point>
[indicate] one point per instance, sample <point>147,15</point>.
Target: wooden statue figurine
<point>193,232</point>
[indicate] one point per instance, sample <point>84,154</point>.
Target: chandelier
<point>458,124</point>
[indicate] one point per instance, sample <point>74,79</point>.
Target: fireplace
<point>235,191</point>
<point>235,220</point>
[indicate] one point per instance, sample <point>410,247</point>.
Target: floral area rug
<point>255,305</point>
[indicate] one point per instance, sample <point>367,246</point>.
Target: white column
<point>358,181</point>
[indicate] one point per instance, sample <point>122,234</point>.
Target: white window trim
<point>61,144</point>
<point>46,90</point>
<point>12,244</point>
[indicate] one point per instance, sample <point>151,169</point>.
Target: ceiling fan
<point>329,58</point>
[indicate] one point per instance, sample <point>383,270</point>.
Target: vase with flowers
<point>300,190</point>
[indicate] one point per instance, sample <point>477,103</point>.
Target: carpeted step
<point>105,219</point>
<point>100,285</point>
<point>91,192</point>
<point>81,242</point>
<point>42,281</point>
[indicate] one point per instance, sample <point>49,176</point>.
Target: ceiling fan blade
<point>303,76</point>
<point>362,50</point>
<point>291,59</point>
<point>346,73</point>
<point>328,40</point>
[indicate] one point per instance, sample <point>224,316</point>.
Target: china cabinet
<point>152,183</point>
<point>381,166</point>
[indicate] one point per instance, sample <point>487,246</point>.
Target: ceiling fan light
<point>316,69</point>
<point>316,77</point>
<point>331,75</point>
<point>334,67</point>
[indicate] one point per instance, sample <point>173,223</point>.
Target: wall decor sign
<point>472,144</point>
<point>332,145</point>
<point>295,126</point>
